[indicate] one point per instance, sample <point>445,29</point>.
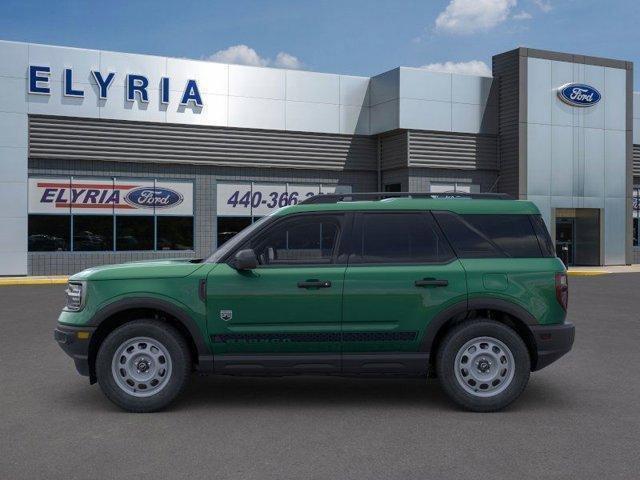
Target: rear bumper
<point>74,345</point>
<point>552,342</point>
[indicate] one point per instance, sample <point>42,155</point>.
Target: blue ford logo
<point>149,197</point>
<point>579,95</point>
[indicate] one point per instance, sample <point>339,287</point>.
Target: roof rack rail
<point>353,197</point>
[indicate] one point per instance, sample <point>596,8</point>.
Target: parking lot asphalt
<point>578,419</point>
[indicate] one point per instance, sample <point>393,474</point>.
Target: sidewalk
<point>590,271</point>
<point>44,280</point>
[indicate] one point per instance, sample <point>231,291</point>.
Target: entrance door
<point>578,236</point>
<point>401,273</point>
<point>565,228</point>
<point>290,304</point>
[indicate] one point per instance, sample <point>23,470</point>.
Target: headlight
<point>75,296</point>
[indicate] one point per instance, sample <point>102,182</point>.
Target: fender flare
<point>478,303</point>
<point>205,357</point>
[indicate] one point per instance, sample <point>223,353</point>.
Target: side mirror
<point>245,260</point>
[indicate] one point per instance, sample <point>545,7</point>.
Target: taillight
<point>562,289</point>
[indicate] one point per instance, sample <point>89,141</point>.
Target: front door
<point>401,273</point>
<point>290,305</point>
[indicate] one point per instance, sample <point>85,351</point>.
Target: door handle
<point>431,282</point>
<point>314,284</point>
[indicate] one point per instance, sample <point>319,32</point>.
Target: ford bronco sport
<point>467,289</point>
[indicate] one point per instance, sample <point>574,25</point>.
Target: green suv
<point>467,289</point>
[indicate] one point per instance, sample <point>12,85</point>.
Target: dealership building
<point>110,157</point>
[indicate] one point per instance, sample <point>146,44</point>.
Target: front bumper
<point>552,342</point>
<point>75,343</point>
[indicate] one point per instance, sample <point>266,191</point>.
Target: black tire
<point>176,348</point>
<point>456,339</point>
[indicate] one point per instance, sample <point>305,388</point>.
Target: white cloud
<point>469,16</point>
<point>522,16</point>
<point>543,5</point>
<point>245,55</point>
<point>240,54</point>
<point>473,67</point>
<point>286,60</point>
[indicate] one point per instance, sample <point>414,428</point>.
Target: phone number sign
<point>259,199</point>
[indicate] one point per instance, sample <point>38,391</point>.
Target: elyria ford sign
<point>579,95</point>
<point>136,86</point>
<point>103,196</point>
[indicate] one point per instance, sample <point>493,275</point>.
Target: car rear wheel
<point>143,365</point>
<point>483,365</point>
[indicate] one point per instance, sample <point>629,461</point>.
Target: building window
<point>109,214</point>
<point>49,233</point>
<point>175,233</point>
<point>92,233</point>
<point>239,204</point>
<point>228,227</point>
<point>453,187</point>
<point>134,233</point>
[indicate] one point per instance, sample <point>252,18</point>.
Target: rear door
<point>401,273</point>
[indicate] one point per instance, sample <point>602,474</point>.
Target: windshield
<point>237,240</point>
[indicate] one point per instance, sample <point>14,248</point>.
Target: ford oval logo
<point>149,197</point>
<point>579,95</point>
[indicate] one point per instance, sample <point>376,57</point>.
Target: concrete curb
<point>48,280</point>
<point>587,273</point>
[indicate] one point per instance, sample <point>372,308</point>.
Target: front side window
<point>298,240</point>
<point>399,238</point>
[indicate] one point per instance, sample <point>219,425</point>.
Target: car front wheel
<point>142,366</point>
<point>483,365</point>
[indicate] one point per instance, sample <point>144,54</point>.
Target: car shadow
<point>251,393</point>
<point>313,392</point>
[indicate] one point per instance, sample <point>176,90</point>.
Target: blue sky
<point>353,37</point>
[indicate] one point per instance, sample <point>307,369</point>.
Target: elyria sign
<point>579,95</point>
<point>136,86</point>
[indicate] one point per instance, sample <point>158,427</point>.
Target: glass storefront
<point>109,214</point>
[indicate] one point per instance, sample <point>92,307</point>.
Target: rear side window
<point>399,238</point>
<point>490,236</point>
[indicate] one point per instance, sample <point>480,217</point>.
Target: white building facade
<point>109,157</point>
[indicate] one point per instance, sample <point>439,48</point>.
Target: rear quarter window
<point>544,239</point>
<point>490,236</point>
